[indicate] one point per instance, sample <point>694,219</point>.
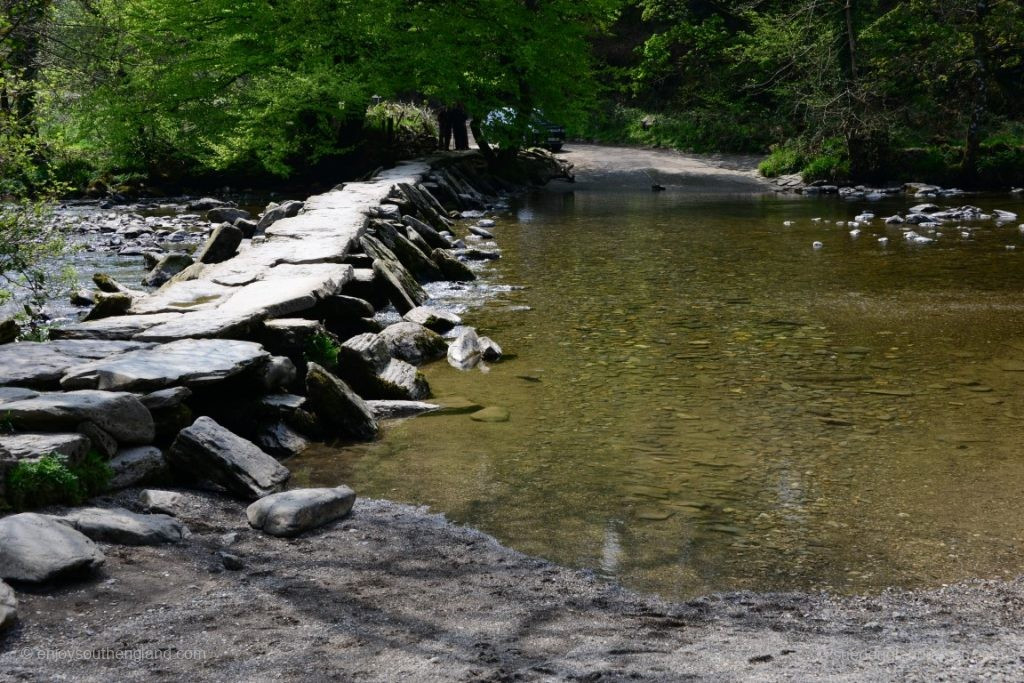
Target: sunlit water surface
<point>700,401</point>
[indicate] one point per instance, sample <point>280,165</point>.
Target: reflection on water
<point>700,401</point>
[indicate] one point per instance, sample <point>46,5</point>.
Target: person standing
<point>457,121</point>
<point>444,128</point>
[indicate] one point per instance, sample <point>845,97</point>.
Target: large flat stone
<point>180,297</point>
<point>211,324</point>
<point>189,362</point>
<point>118,327</point>
<point>117,525</point>
<point>32,446</point>
<point>207,451</point>
<point>289,289</point>
<point>37,548</point>
<point>290,513</point>
<point>9,394</point>
<point>41,365</point>
<point>121,415</point>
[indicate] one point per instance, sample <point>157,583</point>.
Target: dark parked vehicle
<point>537,131</point>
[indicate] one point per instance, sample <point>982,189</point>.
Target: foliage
<point>52,481</point>
<point>323,349</point>
<point>711,130</point>
<point>414,128</point>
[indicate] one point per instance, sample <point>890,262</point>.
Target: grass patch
<point>52,481</point>
<point>323,350</point>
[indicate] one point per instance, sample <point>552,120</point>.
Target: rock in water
<point>465,352</point>
<point>117,525</point>
<point>208,451</point>
<point>413,343</point>
<point>38,548</point>
<point>339,409</point>
<point>109,305</point>
<point>492,414</point>
<point>489,349</point>
<point>226,214</point>
<point>166,268</point>
<point>8,607</point>
<point>452,268</point>
<point>222,244</point>
<point>291,512</point>
<point>433,319</point>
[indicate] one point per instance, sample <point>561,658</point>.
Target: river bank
<point>395,593</point>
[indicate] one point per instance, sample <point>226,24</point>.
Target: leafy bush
<point>323,350</point>
<point>51,481</point>
<point>783,159</point>
<point>829,167</point>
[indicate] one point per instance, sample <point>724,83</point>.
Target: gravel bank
<point>394,593</point>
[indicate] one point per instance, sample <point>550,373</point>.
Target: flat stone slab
<point>9,394</point>
<point>37,548</point>
<point>390,410</point>
<point>8,607</point>
<point>121,415</point>
<point>41,364</point>
<point>189,362</point>
<point>208,451</point>
<point>117,327</point>
<point>117,525</point>
<point>180,297</point>
<point>290,513</point>
<point>211,324</point>
<point>30,446</point>
<point>289,289</point>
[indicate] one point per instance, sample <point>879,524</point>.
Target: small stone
<point>290,513</point>
<point>230,561</point>
<point>166,502</point>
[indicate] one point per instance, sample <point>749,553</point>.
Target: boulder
<point>121,415</point>
<point>41,365</point>
<point>109,285</point>
<point>222,244</point>
<point>117,525</point>
<point>38,548</point>
<point>209,324</point>
<point>292,512</point>
<point>366,364</point>
<point>166,268</point>
<point>207,451</point>
<point>205,204</point>
<point>9,330</point>
<point>226,214</point>
<point>9,394</point>
<point>489,349</point>
<point>134,466</point>
<point>285,209</point>
<point>402,288</point>
<point>410,256</point>
<point>289,336</point>
<point>427,233</point>
<point>101,442</point>
<point>280,440</point>
<point>166,398</point>
<point>190,362</point>
<point>8,607</point>
<point>247,226</point>
<point>433,318</point>
<point>164,502</point>
<point>338,409</point>
<point>452,268</point>
<point>109,305</point>
<point>390,410</point>
<point>413,343</point>
<point>81,297</point>
<point>367,284</point>
<point>340,307</point>
<point>276,374</point>
<point>465,352</point>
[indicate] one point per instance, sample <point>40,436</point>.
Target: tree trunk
<point>972,142</point>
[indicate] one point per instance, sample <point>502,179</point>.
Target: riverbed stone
<point>435,319</point>
<point>402,288</point>
<point>365,363</point>
<point>109,305</point>
<point>8,607</point>
<point>163,502</point>
<point>121,415</point>
<point>166,268</point>
<point>226,214</point>
<point>452,268</point>
<point>465,352</point>
<point>286,209</point>
<point>339,410</point>
<point>427,233</point>
<point>222,244</point>
<point>292,512</point>
<point>205,204</point>
<point>280,440</point>
<point>491,414</point>
<point>117,525</point>
<point>207,451</point>
<point>413,343</point>
<point>33,446</point>
<point>99,440</point>
<point>390,409</point>
<point>190,362</point>
<point>134,466</point>
<point>416,261</point>
<point>37,548</point>
<point>489,349</point>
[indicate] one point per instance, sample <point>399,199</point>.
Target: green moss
<point>323,350</point>
<point>52,481</point>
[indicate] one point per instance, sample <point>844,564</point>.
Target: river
<point>701,401</point>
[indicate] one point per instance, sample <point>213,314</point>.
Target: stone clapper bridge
<point>207,378</point>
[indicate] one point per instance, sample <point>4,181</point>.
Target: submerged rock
<point>208,451</point>
<point>117,525</point>
<point>292,512</point>
<point>390,410</point>
<point>38,548</point>
<point>492,414</point>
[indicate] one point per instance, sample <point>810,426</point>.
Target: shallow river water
<point>700,401</point>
